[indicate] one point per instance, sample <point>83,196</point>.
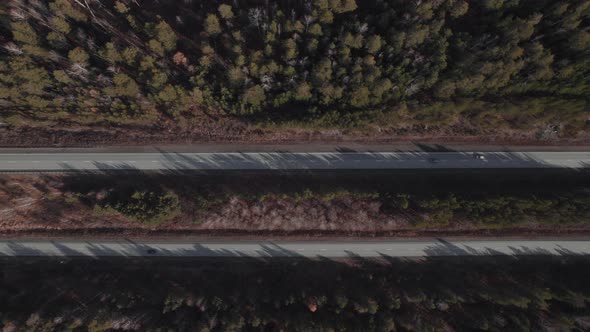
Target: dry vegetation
<point>290,205</point>
<point>236,131</point>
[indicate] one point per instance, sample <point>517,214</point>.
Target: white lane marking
<point>155,161</point>
<point>132,161</point>
<point>36,162</point>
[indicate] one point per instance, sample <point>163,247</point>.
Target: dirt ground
<point>41,206</point>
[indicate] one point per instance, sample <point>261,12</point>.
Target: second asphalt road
<point>310,249</point>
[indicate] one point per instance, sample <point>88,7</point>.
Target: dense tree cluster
<point>122,60</point>
<point>485,294</point>
<point>496,209</point>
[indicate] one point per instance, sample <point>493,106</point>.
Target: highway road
<point>309,249</point>
<point>162,161</point>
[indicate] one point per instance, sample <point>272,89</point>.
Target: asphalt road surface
<point>309,249</point>
<point>162,161</point>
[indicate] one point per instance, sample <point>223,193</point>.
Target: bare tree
<point>86,5</point>
<point>13,48</point>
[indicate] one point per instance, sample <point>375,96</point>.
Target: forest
<point>436,294</point>
<point>520,65</point>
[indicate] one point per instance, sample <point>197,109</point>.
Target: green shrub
<point>145,206</point>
